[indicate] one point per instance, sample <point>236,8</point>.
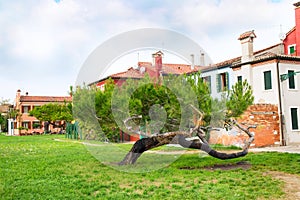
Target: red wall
<point>294,36</point>
<point>289,40</point>
<point>297,20</point>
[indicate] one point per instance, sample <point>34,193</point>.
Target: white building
<point>273,77</point>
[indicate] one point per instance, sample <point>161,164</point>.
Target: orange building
<point>28,125</point>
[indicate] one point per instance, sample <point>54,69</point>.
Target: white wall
<point>290,99</point>
<point>213,74</point>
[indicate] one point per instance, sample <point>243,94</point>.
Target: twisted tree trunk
<point>145,144</point>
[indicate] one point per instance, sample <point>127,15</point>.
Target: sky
<point>44,43</point>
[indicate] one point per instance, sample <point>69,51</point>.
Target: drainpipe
<point>283,138</point>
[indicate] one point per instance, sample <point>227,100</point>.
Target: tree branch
<point>180,137</point>
<point>128,127</point>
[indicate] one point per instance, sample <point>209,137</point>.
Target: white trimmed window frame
<point>298,118</point>
<point>289,47</point>
<point>295,81</point>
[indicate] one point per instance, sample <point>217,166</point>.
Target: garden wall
<point>267,132</point>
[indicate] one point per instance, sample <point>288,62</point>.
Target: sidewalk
<point>294,148</point>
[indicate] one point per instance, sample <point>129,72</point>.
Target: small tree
<point>2,122</point>
<point>240,97</point>
<point>53,112</point>
<point>237,101</point>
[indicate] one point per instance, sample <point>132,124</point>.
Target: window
<point>36,124</point>
<point>268,80</point>
<point>36,106</point>
<point>222,82</point>
<point>291,79</point>
<point>25,109</point>
<point>57,124</point>
<point>294,118</point>
<point>26,125</point>
<point>207,80</point>
<point>292,49</point>
<point>240,79</point>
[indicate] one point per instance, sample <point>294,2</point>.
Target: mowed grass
<point>39,167</point>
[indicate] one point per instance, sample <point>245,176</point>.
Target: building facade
<point>291,40</point>
<point>155,70</point>
<point>24,124</point>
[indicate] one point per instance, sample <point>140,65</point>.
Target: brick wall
<point>267,132</point>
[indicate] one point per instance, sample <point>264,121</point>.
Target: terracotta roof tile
<point>5,108</point>
<point>237,60</point>
<point>169,68</point>
<point>269,56</point>
<point>179,68</point>
<point>247,34</point>
<point>45,98</point>
<point>148,68</point>
<point>130,73</point>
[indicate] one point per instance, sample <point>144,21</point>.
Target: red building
<point>155,70</point>
<point>292,39</point>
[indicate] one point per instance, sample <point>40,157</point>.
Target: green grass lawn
<point>38,167</point>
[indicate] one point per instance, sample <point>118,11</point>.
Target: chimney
<point>192,62</point>
<point>157,57</point>
<point>17,100</point>
<point>247,45</point>
<point>202,61</point>
<point>297,21</point>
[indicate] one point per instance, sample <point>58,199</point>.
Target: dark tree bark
<point>145,144</point>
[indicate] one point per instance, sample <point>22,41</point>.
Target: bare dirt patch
<point>291,184</point>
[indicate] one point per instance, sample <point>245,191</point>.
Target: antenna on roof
<point>281,34</point>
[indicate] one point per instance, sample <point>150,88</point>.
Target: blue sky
<point>44,43</point>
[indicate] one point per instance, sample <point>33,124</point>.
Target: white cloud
<point>39,38</point>
<point>216,23</point>
<point>49,28</point>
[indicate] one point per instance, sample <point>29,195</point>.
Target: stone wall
<point>267,133</point>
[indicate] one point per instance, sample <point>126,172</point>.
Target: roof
<point>247,34</point>
<point>5,108</point>
<point>297,4</point>
<point>167,68</point>
<point>179,69</point>
<point>290,31</point>
<point>268,56</point>
<point>45,98</point>
<point>237,60</point>
<point>130,73</point>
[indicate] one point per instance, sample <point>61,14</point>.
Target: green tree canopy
<point>163,107</point>
<point>2,121</point>
<point>52,112</point>
<point>240,97</point>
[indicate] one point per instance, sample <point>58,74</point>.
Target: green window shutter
<point>292,49</point>
<point>294,116</point>
<point>240,79</point>
<point>227,81</point>
<point>218,81</point>
<point>291,79</point>
<point>209,83</point>
<point>268,80</point>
